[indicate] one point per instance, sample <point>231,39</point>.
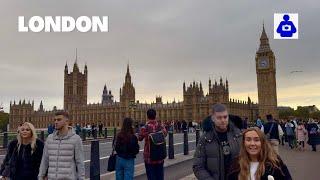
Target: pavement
<point>189,177</point>
<point>169,164</point>
<point>302,165</point>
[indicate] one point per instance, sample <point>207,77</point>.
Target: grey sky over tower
<point>166,43</point>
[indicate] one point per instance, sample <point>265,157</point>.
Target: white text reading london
<point>63,24</point>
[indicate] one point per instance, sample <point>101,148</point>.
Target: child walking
<point>301,134</point>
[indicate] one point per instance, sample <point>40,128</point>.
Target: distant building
<point>311,109</point>
<point>107,97</point>
<point>285,108</point>
<point>196,105</point>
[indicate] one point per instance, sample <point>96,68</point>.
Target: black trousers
<point>155,171</point>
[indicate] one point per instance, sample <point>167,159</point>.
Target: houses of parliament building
<point>196,104</point>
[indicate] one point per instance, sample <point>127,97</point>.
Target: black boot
<point>314,148</point>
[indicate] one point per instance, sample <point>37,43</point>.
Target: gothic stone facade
<point>196,105</point>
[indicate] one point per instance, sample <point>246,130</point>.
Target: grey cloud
<point>166,43</point>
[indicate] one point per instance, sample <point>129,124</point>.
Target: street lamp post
<point>132,106</point>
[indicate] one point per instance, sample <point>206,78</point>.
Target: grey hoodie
<point>62,157</point>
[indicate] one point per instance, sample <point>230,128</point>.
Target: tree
<point>4,120</point>
<point>286,113</point>
<point>315,115</point>
<point>302,112</point>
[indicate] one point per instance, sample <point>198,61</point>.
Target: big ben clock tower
<point>266,78</point>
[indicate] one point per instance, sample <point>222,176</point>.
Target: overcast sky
<point>166,42</point>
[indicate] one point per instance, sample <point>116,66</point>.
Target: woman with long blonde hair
<point>24,155</point>
<point>257,159</point>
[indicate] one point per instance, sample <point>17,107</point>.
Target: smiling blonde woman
<point>24,155</point>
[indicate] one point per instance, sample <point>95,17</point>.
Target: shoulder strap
<point>271,128</point>
<point>113,145</point>
<point>148,136</point>
<point>159,127</point>
<point>147,127</point>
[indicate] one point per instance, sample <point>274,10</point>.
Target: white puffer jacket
<point>63,157</point>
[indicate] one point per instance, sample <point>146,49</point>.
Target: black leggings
<point>301,143</point>
<point>290,141</point>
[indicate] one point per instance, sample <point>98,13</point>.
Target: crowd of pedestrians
<point>229,148</point>
<point>296,132</point>
<point>91,130</point>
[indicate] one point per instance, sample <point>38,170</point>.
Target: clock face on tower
<point>263,63</point>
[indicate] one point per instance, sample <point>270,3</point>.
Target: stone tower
<point>41,107</point>
<point>107,97</point>
<point>266,78</point>
<point>20,112</point>
<point>219,92</point>
<point>192,97</point>
<point>75,87</point>
<point>127,93</point>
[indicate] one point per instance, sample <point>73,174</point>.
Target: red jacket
<point>153,126</point>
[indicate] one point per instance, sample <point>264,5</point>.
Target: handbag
<point>112,159</point>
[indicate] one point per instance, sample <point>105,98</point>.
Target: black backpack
<point>158,149</point>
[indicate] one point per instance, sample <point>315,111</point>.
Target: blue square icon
<point>286,26</point>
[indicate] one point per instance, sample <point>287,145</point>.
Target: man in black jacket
<point>100,129</point>
<point>217,147</point>
<point>273,132</point>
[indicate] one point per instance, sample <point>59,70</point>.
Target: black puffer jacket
<point>10,162</point>
<point>209,159</point>
<point>127,150</point>
<point>282,173</point>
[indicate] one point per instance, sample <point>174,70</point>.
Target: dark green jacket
<point>209,159</point>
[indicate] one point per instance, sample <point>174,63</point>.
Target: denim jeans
<point>124,168</point>
<point>155,171</point>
